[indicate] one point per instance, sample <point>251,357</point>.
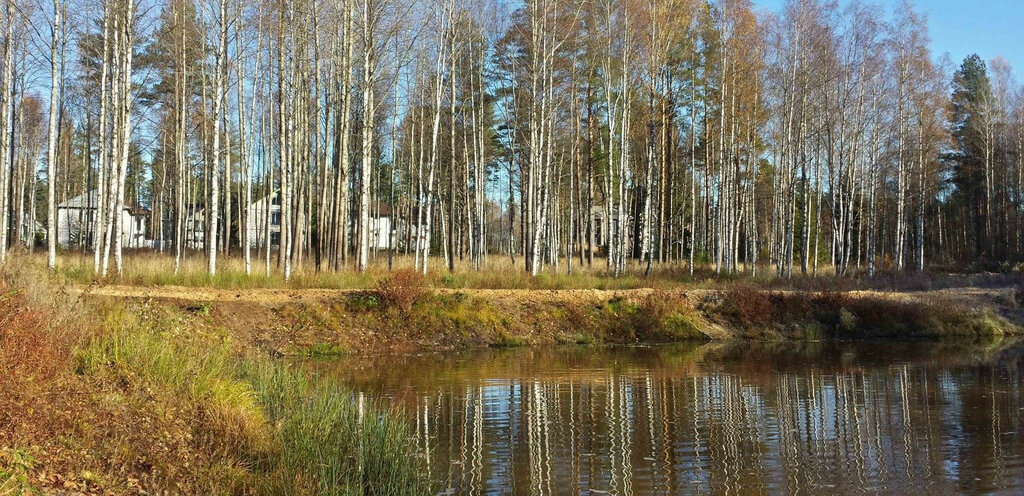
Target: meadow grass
<point>332,441</point>
<point>149,268</point>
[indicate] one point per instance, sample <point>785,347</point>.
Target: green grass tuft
<point>292,433</point>
<point>503,339</point>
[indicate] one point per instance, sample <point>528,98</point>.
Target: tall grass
<point>148,268</point>
<point>289,433</point>
<point>330,441</point>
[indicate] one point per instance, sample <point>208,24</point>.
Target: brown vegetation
<point>401,290</point>
<point>128,397</point>
<point>851,315</point>
<point>67,431</point>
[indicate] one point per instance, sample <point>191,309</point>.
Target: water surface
<point>741,418</point>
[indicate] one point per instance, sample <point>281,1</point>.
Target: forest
<point>317,135</point>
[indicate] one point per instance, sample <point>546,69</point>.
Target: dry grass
<point>147,268</point>
<point>840,315</point>
<point>123,397</point>
<point>401,289</point>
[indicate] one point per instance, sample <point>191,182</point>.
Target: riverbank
<point>128,397</point>
<point>401,314</point>
<point>114,389</point>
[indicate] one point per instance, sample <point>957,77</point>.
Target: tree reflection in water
<point>717,418</point>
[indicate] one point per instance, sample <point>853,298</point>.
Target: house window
<point>275,218</point>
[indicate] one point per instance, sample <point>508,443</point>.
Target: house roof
<point>84,200</point>
<point>90,199</point>
<point>381,208</point>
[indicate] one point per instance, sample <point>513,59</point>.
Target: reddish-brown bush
<point>24,350</point>
<point>749,305</point>
<point>31,361</point>
<point>400,290</point>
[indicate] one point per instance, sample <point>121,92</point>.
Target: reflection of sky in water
<point>734,421</point>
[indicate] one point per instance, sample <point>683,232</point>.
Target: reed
<point>331,441</point>
<point>291,433</point>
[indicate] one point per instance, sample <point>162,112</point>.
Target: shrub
<point>788,307</point>
<point>660,316</point>
<point>680,326</point>
<point>450,281</point>
<point>812,332</point>
<point>400,290</point>
<point>362,301</point>
<point>847,320</point>
<point>749,305</point>
<point>31,357</point>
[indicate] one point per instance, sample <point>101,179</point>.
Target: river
<point>717,418</point>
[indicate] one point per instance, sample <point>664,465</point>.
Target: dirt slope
<point>300,320</point>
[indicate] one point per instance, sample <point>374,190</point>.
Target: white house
<point>195,228</point>
<point>380,222</point>
<point>598,223</point>
<point>256,223</point>
<point>381,226</point>
<point>76,221</point>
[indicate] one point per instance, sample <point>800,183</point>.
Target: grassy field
<point>146,268</point>
<point>119,397</point>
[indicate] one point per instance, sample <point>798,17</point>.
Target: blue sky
<point>962,27</point>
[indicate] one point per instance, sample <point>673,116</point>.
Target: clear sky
<point>963,27</point>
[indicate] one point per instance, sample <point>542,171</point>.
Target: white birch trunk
<point>51,148</point>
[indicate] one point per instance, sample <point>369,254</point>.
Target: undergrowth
<point>659,317</point>
<point>840,315</point>
<point>135,398</point>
